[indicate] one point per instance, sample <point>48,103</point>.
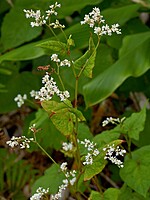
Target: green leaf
<point>104,59</point>
<point>136,173</point>
<point>78,114</point>
<point>51,179</point>
<point>87,61</point>
<point>135,124</point>
<point>134,62</point>
<point>62,115</point>
<point>84,132</point>
<point>98,162</point>
<point>48,131</point>
<point>97,166</point>
<point>127,193</point>
<point>95,196</point>
<point>26,52</point>
<point>68,7</point>
<point>120,15</point>
<point>111,192</point>
<point>54,46</point>
<point>16,29</point>
<point>144,137</point>
<point>107,136</point>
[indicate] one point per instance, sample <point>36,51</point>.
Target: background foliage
<point>121,71</point>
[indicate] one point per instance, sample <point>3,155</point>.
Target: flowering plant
<point>85,157</point>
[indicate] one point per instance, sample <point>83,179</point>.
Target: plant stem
<point>44,150</point>
<point>58,74</point>
<point>46,153</point>
<point>96,182</point>
<point>31,104</point>
<point>76,93</point>
<point>64,34</point>
<point>128,140</point>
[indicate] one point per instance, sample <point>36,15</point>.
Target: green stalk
<point>44,150</point>
<point>60,79</point>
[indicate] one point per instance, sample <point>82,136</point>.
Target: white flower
<point>65,62</point>
<point>88,159</point>
<point>94,19</point>
<point>20,99</point>
<point>112,121</point>
<point>72,181</point>
<point>70,178</point>
<point>32,128</point>
<point>67,146</point>
<point>112,152</point>
<point>49,89</point>
<point>52,10</point>
<point>57,24</point>
<point>39,20</point>
<point>92,151</point>
<point>55,58</point>
<point>21,141</point>
<point>39,193</point>
<point>63,166</point>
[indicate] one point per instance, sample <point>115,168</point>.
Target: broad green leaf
<point>84,132</point>
<point>107,136</point>
<point>127,193</point>
<point>54,46</point>
<point>62,115</point>
<point>134,62</point>
<point>16,29</point>
<point>98,162</point>
<point>104,59</point>
<point>97,166</point>
<point>49,136</point>
<point>87,61</point>
<point>95,196</point>
<point>111,192</point>
<point>136,173</point>
<point>144,137</point>
<point>135,124</point>
<point>51,179</point>
<point>120,15</point>
<point>26,52</point>
<point>68,7</point>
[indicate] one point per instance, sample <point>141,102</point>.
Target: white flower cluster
<point>48,90</point>
<point>20,99</point>
<point>112,152</point>
<point>92,151</point>
<point>39,193</point>
<point>41,19</point>
<point>67,146</point>
<point>94,19</point>
<point>112,121</point>
<point>57,24</point>
<point>70,179</point>
<point>52,10</point>
<point>32,128</point>
<point>21,141</point>
<point>65,62</point>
